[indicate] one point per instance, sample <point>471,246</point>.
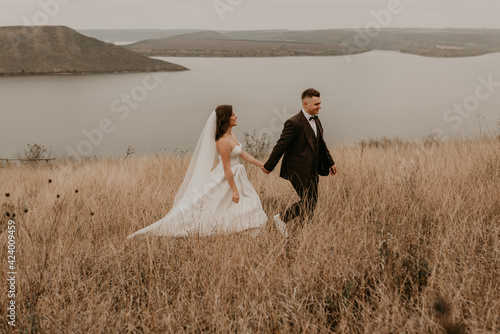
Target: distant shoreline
<point>32,74</point>
<point>230,54</point>
<point>319,55</point>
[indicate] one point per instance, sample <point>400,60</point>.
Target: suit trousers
<point>304,208</point>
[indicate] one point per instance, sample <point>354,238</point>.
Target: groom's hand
<point>333,170</point>
<point>265,170</point>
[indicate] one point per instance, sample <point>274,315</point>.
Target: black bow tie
<point>313,117</point>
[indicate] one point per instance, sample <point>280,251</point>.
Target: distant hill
<point>197,45</point>
<point>132,35</point>
<point>201,35</point>
<point>58,49</point>
<point>266,43</point>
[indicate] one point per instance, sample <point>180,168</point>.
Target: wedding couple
<point>222,200</point>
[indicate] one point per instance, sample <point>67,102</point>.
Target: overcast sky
<point>250,14</point>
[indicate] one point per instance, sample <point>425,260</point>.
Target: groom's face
<point>312,105</point>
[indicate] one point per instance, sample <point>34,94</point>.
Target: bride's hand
<point>236,196</point>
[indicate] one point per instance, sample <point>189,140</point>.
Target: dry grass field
<point>405,240</point>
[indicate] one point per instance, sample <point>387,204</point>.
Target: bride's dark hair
<point>224,113</point>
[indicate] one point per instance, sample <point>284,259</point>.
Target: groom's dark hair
<point>310,92</point>
<point>224,113</point>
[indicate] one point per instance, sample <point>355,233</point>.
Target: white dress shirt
<point>312,123</point>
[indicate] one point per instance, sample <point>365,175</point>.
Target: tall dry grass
<point>405,240</point>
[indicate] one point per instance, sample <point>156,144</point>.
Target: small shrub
<point>36,152</point>
<point>256,147</point>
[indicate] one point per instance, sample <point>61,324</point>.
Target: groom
<point>305,157</point>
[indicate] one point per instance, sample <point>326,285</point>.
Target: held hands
<point>265,170</point>
<point>333,170</point>
<point>261,165</point>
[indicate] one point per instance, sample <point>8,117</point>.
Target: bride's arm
<point>247,157</point>
<point>225,155</point>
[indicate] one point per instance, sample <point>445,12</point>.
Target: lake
<point>365,96</point>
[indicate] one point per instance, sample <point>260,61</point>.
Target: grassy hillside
<point>426,42</point>
<point>236,44</point>
<point>406,239</point>
<point>58,49</point>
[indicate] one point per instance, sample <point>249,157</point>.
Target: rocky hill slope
<point>58,50</point>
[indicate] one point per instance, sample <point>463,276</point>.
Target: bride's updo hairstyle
<point>224,113</point>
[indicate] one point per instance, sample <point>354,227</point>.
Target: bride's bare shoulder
<point>222,141</point>
<point>223,144</point>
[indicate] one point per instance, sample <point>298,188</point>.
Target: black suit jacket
<point>297,144</point>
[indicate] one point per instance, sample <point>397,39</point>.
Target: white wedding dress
<point>208,209</point>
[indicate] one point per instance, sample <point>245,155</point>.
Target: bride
<point>214,201</point>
